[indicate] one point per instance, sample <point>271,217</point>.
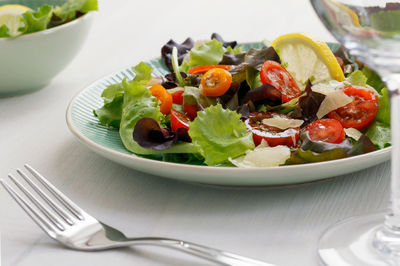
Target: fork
<point>72,227</point>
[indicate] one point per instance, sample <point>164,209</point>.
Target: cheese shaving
<point>263,156</point>
<point>282,123</point>
<point>353,133</point>
<point>333,101</point>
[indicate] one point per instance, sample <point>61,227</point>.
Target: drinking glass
<point>370,30</point>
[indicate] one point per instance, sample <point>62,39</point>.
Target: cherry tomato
<point>361,112</point>
<point>328,130</point>
<point>215,82</point>
<point>276,75</point>
<point>274,136</point>
<point>191,110</point>
<point>177,97</point>
<point>164,97</point>
<point>203,69</point>
<point>179,120</point>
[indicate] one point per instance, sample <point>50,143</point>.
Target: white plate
<point>107,143</point>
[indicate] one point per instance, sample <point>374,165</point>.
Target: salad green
<point>48,16</point>
<point>213,130</point>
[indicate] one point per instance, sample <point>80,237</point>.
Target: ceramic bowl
<point>31,61</point>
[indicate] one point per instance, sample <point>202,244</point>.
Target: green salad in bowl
<point>22,17</point>
<point>296,100</point>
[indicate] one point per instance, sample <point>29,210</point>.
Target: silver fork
<point>71,226</point>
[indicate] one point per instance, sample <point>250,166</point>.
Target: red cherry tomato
<point>276,75</point>
<point>191,110</point>
<point>328,130</point>
<point>177,97</point>
<point>361,112</point>
<point>274,136</point>
<point>178,120</point>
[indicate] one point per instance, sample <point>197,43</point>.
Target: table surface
<point>277,225</point>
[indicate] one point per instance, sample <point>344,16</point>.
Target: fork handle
<point>215,255</point>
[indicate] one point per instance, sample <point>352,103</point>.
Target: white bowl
<point>29,62</point>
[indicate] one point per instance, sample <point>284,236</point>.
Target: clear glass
<point>370,30</point>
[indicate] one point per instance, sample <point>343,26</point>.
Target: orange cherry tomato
<point>164,97</point>
<point>215,82</point>
<point>203,69</point>
<point>275,74</point>
<point>178,120</point>
<point>328,130</point>
<point>361,112</point>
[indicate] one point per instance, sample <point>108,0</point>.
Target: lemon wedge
<point>307,58</point>
<point>10,15</point>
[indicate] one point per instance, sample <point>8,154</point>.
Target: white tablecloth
<point>278,225</point>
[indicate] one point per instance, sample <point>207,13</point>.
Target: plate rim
<point>216,169</point>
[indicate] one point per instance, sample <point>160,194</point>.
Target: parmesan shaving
<point>333,101</point>
<point>282,123</point>
<point>263,156</point>
<point>353,133</point>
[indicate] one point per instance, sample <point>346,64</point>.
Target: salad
<point>17,20</point>
<point>293,101</point>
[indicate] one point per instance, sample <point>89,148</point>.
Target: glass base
<point>353,242</point>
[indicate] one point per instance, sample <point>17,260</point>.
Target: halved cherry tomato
<point>203,69</point>
<point>361,112</point>
<point>177,97</point>
<point>191,110</point>
<point>273,135</point>
<point>328,130</point>
<point>179,120</point>
<point>276,75</point>
<point>215,82</point>
<point>163,96</point>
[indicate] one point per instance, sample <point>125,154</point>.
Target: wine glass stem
<point>392,221</point>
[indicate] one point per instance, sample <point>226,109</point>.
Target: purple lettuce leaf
<point>183,49</point>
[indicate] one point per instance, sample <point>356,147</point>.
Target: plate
<point>107,143</point>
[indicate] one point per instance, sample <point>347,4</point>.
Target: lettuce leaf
<point>357,78</point>
<point>36,20</point>
<point>138,103</point>
<point>379,133</point>
<point>68,11</point>
<point>110,113</point>
<point>219,134</point>
<point>4,31</point>
<point>373,79</point>
<point>383,114</point>
<point>210,53</point>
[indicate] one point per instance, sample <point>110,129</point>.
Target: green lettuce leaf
<point>300,156</point>
<point>138,103</point>
<point>219,134</point>
<point>357,78</point>
<point>210,53</point>
<point>69,9</point>
<point>383,114</point>
<point>379,133</point>
<point>4,31</point>
<point>253,78</point>
<point>36,20</point>
<point>110,113</point>
<point>373,79</point>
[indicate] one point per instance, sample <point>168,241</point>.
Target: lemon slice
<point>307,58</point>
<point>10,15</point>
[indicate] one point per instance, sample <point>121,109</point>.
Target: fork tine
<point>72,207</point>
<point>43,224</point>
<point>46,198</point>
<point>39,205</point>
